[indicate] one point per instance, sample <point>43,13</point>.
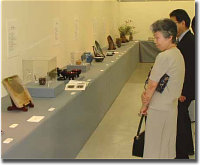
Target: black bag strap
<point>140,124</point>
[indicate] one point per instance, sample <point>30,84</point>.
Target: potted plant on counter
<point>126,29</point>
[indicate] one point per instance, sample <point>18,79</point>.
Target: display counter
<point>148,51</point>
<point>62,132</point>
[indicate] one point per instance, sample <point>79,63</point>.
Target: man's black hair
<point>181,15</point>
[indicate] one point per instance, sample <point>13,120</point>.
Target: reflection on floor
<point>114,136</point>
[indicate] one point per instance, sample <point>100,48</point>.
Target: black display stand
<point>24,108</point>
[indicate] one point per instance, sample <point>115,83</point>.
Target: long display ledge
<point>62,132</point>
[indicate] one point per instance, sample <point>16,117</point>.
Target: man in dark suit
<point>193,25</point>
<point>186,44</point>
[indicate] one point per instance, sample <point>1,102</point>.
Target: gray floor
<point>113,138</point>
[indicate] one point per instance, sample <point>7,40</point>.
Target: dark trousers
<point>184,141</point>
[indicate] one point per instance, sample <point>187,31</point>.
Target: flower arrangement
<point>127,28</point>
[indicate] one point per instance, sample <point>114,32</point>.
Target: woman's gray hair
<point>167,27</point>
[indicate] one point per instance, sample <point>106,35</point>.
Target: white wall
<point>144,14</point>
<point>35,30</point>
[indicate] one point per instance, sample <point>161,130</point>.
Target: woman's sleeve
<point>160,67</point>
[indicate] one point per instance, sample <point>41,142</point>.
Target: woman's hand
<point>143,110</point>
<point>147,95</point>
<point>182,98</point>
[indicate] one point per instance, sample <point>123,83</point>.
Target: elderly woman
<point>161,107</point>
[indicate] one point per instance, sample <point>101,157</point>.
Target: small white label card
<point>8,140</point>
<point>51,109</point>
<point>76,85</point>
<point>89,80</point>
<point>73,93</point>
<point>35,119</point>
<point>13,125</point>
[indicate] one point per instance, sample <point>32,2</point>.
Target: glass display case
<point>35,68</point>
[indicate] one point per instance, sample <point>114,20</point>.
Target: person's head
<point>182,20</point>
<point>193,25</point>
<point>165,32</point>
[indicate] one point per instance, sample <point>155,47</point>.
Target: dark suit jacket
<point>187,48</point>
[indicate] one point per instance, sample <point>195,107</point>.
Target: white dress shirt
<point>182,35</point>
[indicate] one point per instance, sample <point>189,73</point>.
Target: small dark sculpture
<point>118,42</point>
<point>123,37</point>
<point>64,74</point>
<point>59,72</point>
<point>77,71</point>
<point>111,43</point>
<point>42,81</point>
<point>131,37</point>
<point>72,75</point>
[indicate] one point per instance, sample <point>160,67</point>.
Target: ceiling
<point>150,0</point>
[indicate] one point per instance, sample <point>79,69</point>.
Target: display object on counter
<point>78,62</point>
<point>19,95</point>
<point>118,42</point>
<point>126,28</point>
<point>97,56</point>
<point>98,53</point>
<point>123,38</point>
<point>111,43</point>
<point>42,80</point>
<point>84,67</point>
<point>131,36</point>
<point>110,53</point>
<point>52,75</point>
<point>77,71</point>
<point>99,59</point>
<point>65,74</point>
<point>71,75</point>
<point>76,85</point>
<point>87,57</point>
<point>39,66</point>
